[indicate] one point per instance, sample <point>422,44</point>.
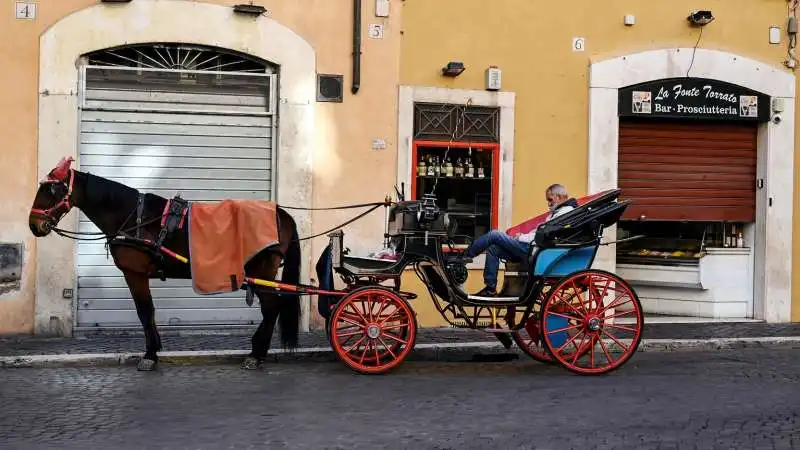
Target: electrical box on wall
<point>493,78</point>
<point>774,35</point>
<point>382,8</point>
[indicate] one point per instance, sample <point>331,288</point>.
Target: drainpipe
<point>356,46</point>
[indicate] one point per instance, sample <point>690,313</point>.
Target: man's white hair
<point>557,190</point>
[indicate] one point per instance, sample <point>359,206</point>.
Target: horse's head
<point>53,199</point>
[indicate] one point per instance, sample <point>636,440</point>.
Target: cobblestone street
<point>728,399</point>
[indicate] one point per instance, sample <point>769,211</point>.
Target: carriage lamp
<point>453,69</point>
<point>700,18</point>
<point>249,9</point>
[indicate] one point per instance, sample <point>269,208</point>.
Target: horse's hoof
<point>250,363</point>
<point>146,365</point>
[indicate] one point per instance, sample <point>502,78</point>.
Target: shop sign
<point>693,98</point>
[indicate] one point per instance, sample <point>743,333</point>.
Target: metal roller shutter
<point>696,171</point>
<point>171,136</point>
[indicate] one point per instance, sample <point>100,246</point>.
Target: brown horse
<point>114,208</point>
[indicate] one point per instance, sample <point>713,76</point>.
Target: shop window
<point>668,243</point>
<point>464,178</point>
<point>456,157</point>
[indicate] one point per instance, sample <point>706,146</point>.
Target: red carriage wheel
<point>372,330</point>
<point>529,338</point>
<point>596,313</point>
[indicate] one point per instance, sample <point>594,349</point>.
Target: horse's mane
<point>111,194</point>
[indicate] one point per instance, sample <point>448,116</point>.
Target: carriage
<point>553,305</point>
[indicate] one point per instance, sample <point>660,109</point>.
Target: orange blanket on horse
<point>224,236</point>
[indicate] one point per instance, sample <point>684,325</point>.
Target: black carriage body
<point>418,243</point>
<point>418,238</point>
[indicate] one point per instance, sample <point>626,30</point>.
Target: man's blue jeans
<point>497,245</point>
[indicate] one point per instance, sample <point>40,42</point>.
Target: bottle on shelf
<point>480,170</point>
<point>470,170</point>
<point>740,240</point>
<point>422,167</point>
<point>448,169</point>
<point>458,170</point>
<point>431,168</point>
<point>437,166</point>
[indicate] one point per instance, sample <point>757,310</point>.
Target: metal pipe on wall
<point>356,83</point>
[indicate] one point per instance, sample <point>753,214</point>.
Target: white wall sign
<point>381,8</point>
<point>578,44</point>
<point>26,10</point>
<point>376,31</point>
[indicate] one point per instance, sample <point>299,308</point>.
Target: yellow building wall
<point>531,41</point>
<point>347,169</point>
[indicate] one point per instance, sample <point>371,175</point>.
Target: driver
<point>499,245</point>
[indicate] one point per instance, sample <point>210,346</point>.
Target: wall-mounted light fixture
<point>453,69</point>
<point>250,10</point>
<point>700,18</point>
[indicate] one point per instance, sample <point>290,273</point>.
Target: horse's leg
<point>139,286</point>
<point>267,269</point>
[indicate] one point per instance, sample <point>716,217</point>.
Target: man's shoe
<point>486,292</point>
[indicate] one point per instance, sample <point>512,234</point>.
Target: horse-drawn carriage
<point>553,305</point>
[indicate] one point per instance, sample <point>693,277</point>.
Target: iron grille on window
<point>445,122</point>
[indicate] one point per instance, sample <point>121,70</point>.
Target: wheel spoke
<point>613,338</point>
<point>388,349</point>
<point>351,322</point>
<point>564,329</point>
<point>391,336</point>
<point>360,315</point>
<point>578,350</point>
<point>389,317</point>
<point>366,349</point>
<point>553,313</point>
<point>632,330</point>
<point>574,336</point>
<point>354,333</point>
<point>605,350</point>
<point>356,344</point>
<point>580,300</point>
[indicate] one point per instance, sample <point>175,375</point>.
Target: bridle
<point>54,214</point>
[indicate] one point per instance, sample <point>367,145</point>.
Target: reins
<point>99,235</point>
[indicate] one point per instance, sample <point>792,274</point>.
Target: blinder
<point>64,177</point>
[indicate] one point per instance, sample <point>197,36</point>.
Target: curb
<point>442,352</point>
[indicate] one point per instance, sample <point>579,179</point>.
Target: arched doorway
<point>172,118</point>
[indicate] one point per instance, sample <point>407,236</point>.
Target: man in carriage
<point>499,245</point>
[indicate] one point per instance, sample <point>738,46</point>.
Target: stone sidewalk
<point>121,348</point>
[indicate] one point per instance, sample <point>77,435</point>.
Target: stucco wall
<point>532,43</point>
<point>346,168</point>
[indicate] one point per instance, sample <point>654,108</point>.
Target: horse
<point>116,210</point>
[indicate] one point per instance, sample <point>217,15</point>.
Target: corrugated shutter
<point>699,171</point>
<point>171,138</point>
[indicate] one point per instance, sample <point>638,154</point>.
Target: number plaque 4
<point>26,10</point>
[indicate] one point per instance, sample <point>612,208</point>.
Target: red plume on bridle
<point>62,168</point>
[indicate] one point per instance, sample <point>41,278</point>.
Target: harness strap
<point>139,208</point>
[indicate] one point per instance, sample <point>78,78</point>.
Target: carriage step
<point>499,330</point>
<point>493,299</point>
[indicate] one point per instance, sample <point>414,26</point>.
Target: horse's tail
<point>289,315</point>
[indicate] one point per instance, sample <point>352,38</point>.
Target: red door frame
<point>493,147</point>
